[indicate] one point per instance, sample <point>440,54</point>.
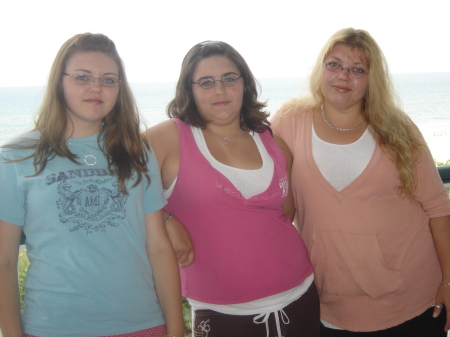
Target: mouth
<point>341,89</point>
<point>221,103</point>
<point>94,101</point>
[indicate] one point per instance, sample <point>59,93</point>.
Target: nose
<point>343,73</point>
<point>96,84</point>
<point>219,88</point>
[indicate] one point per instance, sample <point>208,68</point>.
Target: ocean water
<point>425,97</point>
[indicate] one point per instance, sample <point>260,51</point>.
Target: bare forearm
<point>180,239</point>
<point>10,323</point>
<point>167,284</point>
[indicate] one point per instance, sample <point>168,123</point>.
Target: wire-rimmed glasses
<point>209,83</point>
<point>336,67</point>
<point>89,80</point>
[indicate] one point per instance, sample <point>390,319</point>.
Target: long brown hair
<point>120,139</point>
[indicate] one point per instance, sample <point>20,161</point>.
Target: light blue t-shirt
<point>89,274</point>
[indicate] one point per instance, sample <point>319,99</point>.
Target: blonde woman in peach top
<point>370,204</point>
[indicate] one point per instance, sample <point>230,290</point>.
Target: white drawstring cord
<point>284,318</point>
<point>265,319</point>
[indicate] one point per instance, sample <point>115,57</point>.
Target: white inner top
<point>248,182</point>
<point>342,164</point>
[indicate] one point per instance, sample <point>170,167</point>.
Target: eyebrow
<point>88,71</point>
<point>226,74</point>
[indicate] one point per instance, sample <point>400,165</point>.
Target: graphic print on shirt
<point>203,329</point>
<point>91,204</point>
<point>284,185</point>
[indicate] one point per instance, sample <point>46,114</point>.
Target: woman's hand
<point>443,299</point>
<point>181,241</point>
<point>440,230</point>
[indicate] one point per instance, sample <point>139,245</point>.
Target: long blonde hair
<point>123,143</point>
<point>394,130</point>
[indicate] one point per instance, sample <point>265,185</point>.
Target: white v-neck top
<point>341,164</point>
<point>248,182</point>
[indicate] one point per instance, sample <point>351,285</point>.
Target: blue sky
<point>277,38</point>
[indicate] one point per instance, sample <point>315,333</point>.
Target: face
<point>87,105</point>
<point>219,105</point>
<point>339,88</point>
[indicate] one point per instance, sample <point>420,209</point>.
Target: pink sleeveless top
<point>245,249</point>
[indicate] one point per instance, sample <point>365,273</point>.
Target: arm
<point>289,205</point>
<point>434,201</point>
<point>180,239</point>
<point>10,323</point>
<point>440,230</point>
<point>164,140</point>
<point>165,272</point>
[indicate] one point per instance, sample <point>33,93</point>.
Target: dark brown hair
<point>183,106</point>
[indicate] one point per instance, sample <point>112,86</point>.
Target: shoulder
<point>275,141</point>
<point>162,135</point>
<point>278,140</point>
<point>20,147</point>
<point>164,140</point>
<point>290,119</point>
<point>164,129</point>
<point>293,109</point>
<point>282,145</point>
<point>23,141</point>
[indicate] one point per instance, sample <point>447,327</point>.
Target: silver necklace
<point>89,159</point>
<point>339,129</point>
<point>225,140</point>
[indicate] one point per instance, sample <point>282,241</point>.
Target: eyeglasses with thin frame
<point>209,83</point>
<point>89,80</point>
<point>336,67</point>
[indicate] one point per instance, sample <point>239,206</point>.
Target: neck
<point>230,130</point>
<point>344,118</point>
<point>73,131</point>
<point>351,111</point>
<point>338,128</point>
<point>225,134</point>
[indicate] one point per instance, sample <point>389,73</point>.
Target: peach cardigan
<point>372,251</point>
